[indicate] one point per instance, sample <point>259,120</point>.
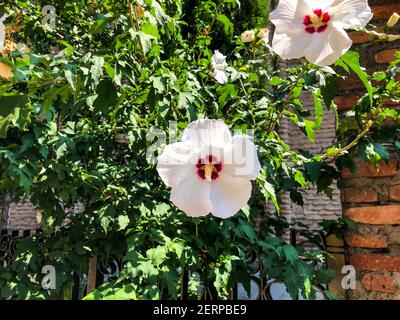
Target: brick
<point>386,56</point>
<point>380,283</point>
<point>375,215</point>
<point>346,103</point>
<point>384,12</point>
<point>371,242</point>
<point>351,82</point>
<point>391,103</point>
<point>369,262</point>
<point>359,37</point>
<point>367,170</point>
<point>360,194</point>
<point>394,193</point>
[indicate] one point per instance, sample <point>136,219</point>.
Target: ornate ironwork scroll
<point>8,242</point>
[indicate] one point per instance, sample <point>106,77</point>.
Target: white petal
<point>192,196</point>
<point>218,59</point>
<point>229,194</point>
<point>242,160</point>
<point>290,11</point>
<point>328,46</point>
<point>290,44</point>
<point>206,132</point>
<point>351,13</point>
<point>319,4</point>
<point>221,76</point>
<point>176,163</point>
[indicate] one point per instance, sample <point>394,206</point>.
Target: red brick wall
<point>370,197</point>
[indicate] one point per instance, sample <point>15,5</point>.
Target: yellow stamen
<point>208,169</point>
<point>316,21</point>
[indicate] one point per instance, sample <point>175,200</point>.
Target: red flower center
<point>317,21</point>
<point>208,168</point>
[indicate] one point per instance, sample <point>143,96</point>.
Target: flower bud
<point>393,20</point>
<point>248,36</point>
<point>139,11</point>
<point>263,33</point>
<point>393,37</point>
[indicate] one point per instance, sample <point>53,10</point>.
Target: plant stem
<point>243,88</point>
<point>196,222</point>
<point>366,129</point>
<point>285,101</point>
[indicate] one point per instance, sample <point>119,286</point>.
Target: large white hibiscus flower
<point>314,29</point>
<point>209,171</point>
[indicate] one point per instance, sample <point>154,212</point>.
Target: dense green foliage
<point>127,71</point>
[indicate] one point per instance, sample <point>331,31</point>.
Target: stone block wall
<point>23,215</point>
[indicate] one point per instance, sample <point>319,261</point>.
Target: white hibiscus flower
<point>314,29</point>
<point>209,171</point>
<point>219,65</point>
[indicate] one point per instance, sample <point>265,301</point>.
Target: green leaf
<point>123,222</point>
<point>324,276</point>
<point>61,149</point>
<point>70,78</point>
<point>246,211</point>
<point>105,222</point>
<point>319,110</point>
<point>144,39</point>
<point>299,177</point>
<point>352,60</point>
<point>307,288</point>
<point>53,94</point>
<point>157,84</point>
<point>10,106</point>
<point>101,24</point>
<point>5,123</point>
<point>309,128</point>
<point>157,255</point>
<point>107,97</point>
<point>96,70</point>
<point>268,190</point>
<point>148,269</point>
<point>25,181</point>
<point>313,170</point>
<point>382,151</point>
<point>8,103</point>
<point>248,231</point>
<point>329,295</point>
<point>185,100</point>
<point>290,253</point>
<point>228,25</point>
<point>150,29</point>
<point>226,92</point>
